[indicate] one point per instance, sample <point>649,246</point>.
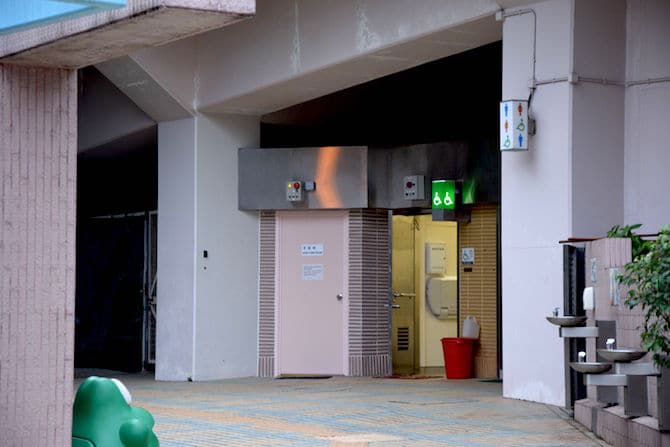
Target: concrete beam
<point>293,51</point>
<point>143,23</point>
<point>357,70</point>
<point>143,90</point>
<point>504,4</point>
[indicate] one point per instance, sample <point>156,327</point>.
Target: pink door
<point>311,292</point>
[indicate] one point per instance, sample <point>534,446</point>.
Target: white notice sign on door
<point>311,249</point>
<point>312,272</point>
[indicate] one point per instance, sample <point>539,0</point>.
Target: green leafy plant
<point>648,276</point>
<point>640,246</point>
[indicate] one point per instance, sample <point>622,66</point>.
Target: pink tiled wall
<point>38,159</point>
<point>615,253</point>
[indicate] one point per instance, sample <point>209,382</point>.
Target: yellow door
<point>403,303</point>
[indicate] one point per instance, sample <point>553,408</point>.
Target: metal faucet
<point>581,356</point>
<point>556,310</point>
<point>610,343</point>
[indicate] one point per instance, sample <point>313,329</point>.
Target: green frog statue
<point>103,417</point>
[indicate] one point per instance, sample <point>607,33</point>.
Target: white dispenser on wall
<point>436,258</point>
<point>442,297</point>
<point>441,292</point>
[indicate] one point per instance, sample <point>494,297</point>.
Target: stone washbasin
<point>591,367</point>
<point>567,320</point>
<point>621,355</point>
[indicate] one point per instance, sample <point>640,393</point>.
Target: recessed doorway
<point>425,292</point>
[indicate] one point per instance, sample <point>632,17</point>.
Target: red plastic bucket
<point>458,357</point>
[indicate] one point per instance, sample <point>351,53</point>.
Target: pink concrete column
<point>38,161</point>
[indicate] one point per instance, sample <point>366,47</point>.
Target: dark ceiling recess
<point>454,98</point>
<point>117,160</point>
<point>120,176</point>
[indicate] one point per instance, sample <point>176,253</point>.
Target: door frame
<point>420,291</point>
<point>344,215</point>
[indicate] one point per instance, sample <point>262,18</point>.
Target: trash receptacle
<point>458,357</point>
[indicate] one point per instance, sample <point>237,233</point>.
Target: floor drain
<point>358,440</point>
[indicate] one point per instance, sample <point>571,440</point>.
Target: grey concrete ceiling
<point>105,113</point>
<point>144,139</point>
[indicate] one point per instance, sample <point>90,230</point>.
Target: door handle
<point>395,306</point>
<point>339,297</point>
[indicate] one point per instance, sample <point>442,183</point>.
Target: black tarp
<point>109,300</point>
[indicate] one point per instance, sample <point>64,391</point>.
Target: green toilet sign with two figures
<point>443,194</point>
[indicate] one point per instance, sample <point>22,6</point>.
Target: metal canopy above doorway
<point>340,175</point>
<point>364,177</point>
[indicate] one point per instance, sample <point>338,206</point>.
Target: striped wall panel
<point>479,287</point>
<point>369,289</point>
<point>38,162</point>
<point>369,292</point>
<point>266,294</point>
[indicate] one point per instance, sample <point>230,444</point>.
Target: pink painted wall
<point>38,148</point>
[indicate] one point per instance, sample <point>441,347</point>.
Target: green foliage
<point>640,246</point>
<point>648,276</point>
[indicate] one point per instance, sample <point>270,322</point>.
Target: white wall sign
<point>514,125</point>
<point>311,249</point>
<point>468,256</point>
<point>312,272</point>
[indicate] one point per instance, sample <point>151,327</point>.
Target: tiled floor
<point>384,412</point>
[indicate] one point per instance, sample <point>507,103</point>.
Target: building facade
<point>596,73</point>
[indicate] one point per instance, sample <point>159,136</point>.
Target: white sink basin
<point>591,367</point>
<point>621,355</point>
<point>567,320</point>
